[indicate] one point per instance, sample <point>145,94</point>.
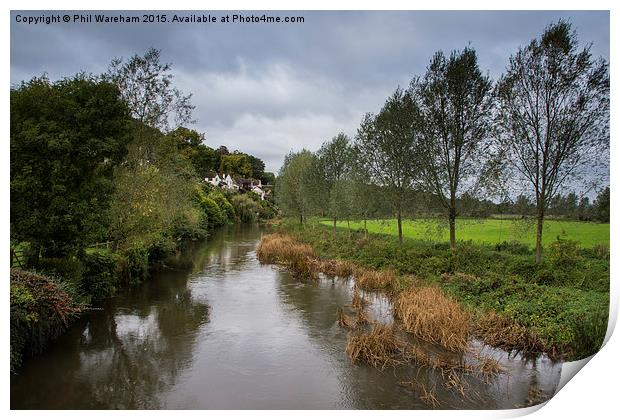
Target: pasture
<point>489,231</point>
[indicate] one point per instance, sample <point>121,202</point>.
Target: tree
<point>66,139</point>
<point>334,158</point>
<point>456,101</point>
<point>146,86</point>
<point>258,167</point>
<point>554,115</point>
<point>387,145</point>
<point>601,206</point>
<point>236,164</point>
<point>295,188</point>
<point>191,145</point>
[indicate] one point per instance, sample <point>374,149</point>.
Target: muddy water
<point>219,330</point>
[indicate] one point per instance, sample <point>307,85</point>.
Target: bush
<point>134,263</point>
<point>563,254</point>
<point>513,247</point>
<point>223,204</point>
<point>40,312</point>
<point>68,268</point>
<point>100,276</point>
<point>245,208</point>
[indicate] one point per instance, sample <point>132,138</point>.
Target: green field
<point>491,231</point>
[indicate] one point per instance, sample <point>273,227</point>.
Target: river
<point>218,330</point>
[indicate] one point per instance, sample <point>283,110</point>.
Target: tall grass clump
<point>376,279</point>
<point>430,315</point>
<point>282,249</point>
<point>379,347</point>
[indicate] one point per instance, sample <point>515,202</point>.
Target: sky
<point>271,88</point>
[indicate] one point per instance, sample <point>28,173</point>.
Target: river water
<point>218,330</point>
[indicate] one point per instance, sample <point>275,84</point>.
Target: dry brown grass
<point>489,368</point>
<point>278,248</point>
<point>345,320</point>
<point>375,279</point>
<point>358,302</point>
<point>430,315</point>
<point>502,332</point>
<point>337,268</point>
<point>379,348</point>
<point>426,395</point>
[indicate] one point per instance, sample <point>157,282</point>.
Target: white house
<point>224,181</point>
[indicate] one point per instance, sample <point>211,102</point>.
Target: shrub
<point>223,204</point>
<point>513,247</point>
<point>563,254</point>
<point>100,276</point>
<point>245,208</point>
<point>134,262</point>
<point>40,312</point>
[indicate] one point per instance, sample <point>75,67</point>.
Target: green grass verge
<point>490,231</point>
<point>564,301</point>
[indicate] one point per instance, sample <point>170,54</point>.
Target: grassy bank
<point>560,307</point>
<point>489,231</point>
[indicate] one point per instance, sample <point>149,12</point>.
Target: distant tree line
<point>456,142</point>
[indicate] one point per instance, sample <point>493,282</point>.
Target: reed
<point>379,348</point>
<point>430,315</point>
<point>375,279</point>
<point>337,268</point>
<point>426,395</point>
<point>345,320</point>
<point>282,249</point>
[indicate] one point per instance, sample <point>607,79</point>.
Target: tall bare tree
<point>554,115</point>
<point>456,101</point>
<point>146,86</point>
<point>387,146</point>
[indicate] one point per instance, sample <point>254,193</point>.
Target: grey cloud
<point>269,88</point>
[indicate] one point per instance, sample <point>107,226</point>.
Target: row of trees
<point>454,133</point>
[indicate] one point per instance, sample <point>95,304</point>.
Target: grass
<point>490,231</point>
<point>430,315</point>
<point>559,307</point>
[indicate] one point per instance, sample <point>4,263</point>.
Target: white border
<point>592,394</point>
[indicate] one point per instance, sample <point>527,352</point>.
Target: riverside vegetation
<point>444,296</point>
<point>103,189</point>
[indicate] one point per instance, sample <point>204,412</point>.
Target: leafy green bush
<point>68,268</point>
<point>223,204</point>
<point>134,262</point>
<point>245,208</point>
<point>100,276</point>
<point>513,247</point>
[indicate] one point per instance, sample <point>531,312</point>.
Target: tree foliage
<point>66,139</point>
<point>456,104</point>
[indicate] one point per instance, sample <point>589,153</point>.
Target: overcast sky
<point>267,89</point>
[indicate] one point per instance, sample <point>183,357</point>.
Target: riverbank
<point>559,308</point>
<point>88,278</point>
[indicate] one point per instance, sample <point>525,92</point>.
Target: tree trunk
<point>539,231</point>
<point>365,229</point>
<point>400,227</point>
<point>334,226</point>
<point>452,221</point>
<point>349,227</point>
<point>301,219</point>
